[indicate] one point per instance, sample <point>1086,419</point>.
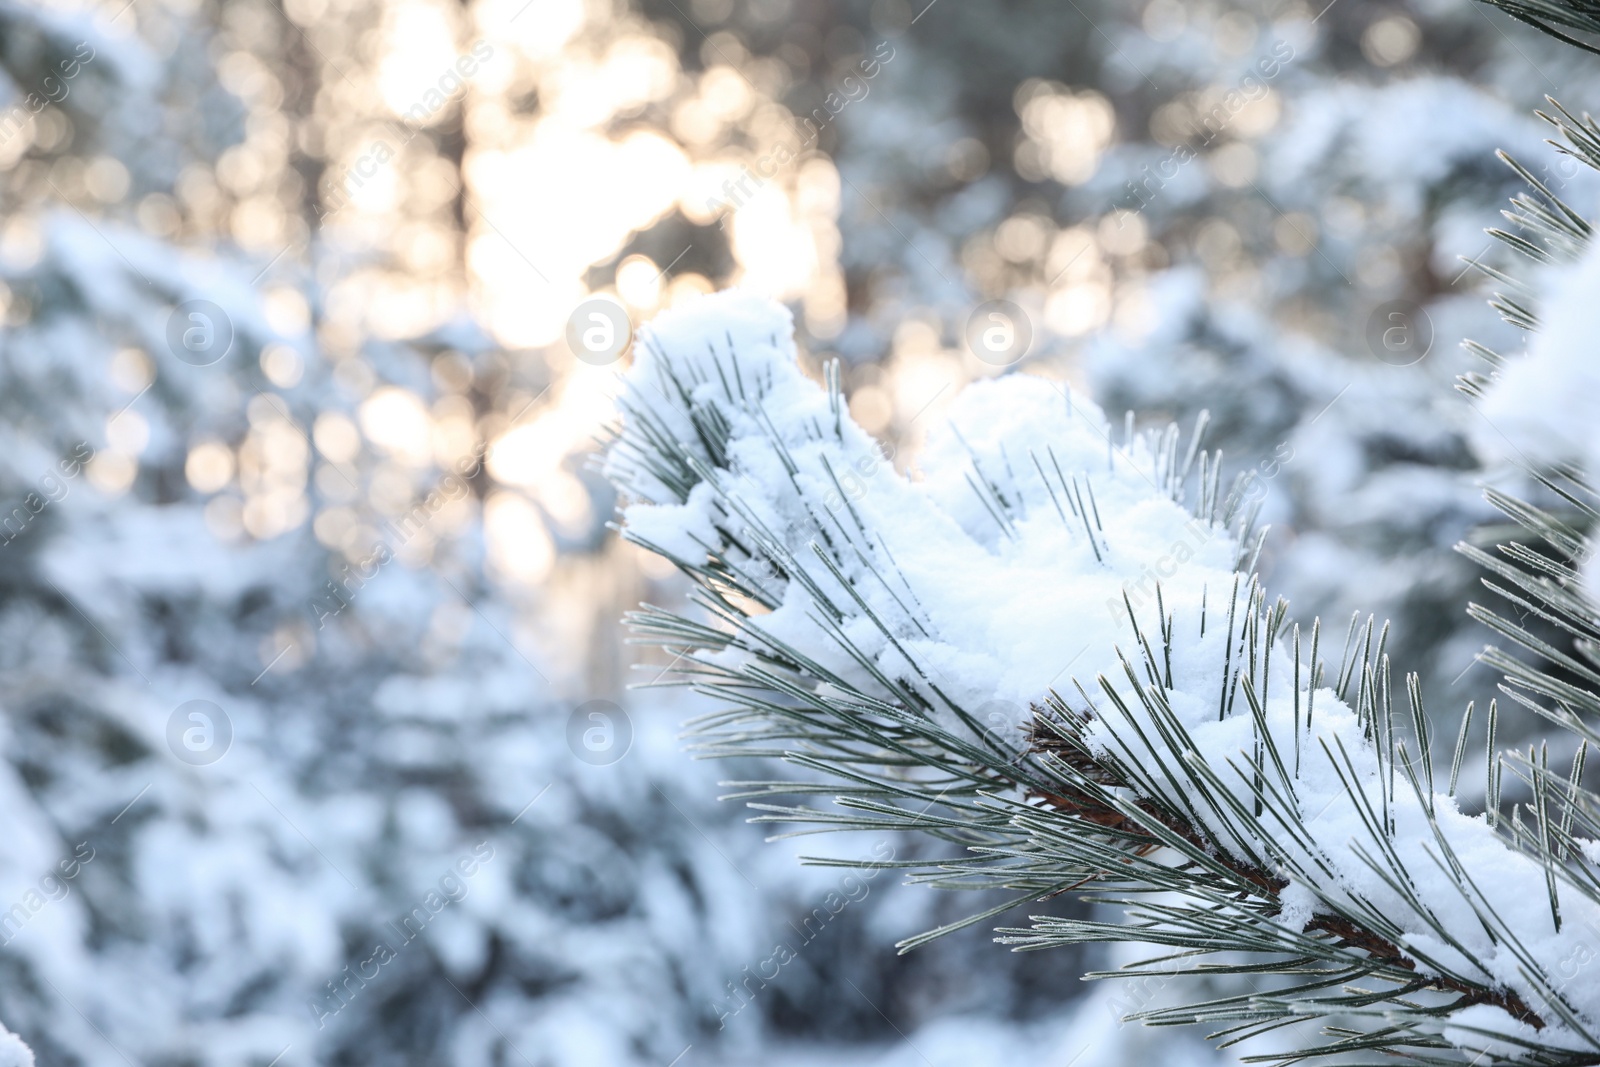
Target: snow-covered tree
<point>395,248</point>
<point>398,626</point>
<point>1195,756</point>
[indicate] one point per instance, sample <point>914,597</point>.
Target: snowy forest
<point>382,552</point>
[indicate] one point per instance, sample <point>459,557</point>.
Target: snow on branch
<point>1176,745</point>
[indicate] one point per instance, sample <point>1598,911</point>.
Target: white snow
<point>1395,132</point>
<point>1006,614</point>
<point>13,1053</point>
<point>1544,407</point>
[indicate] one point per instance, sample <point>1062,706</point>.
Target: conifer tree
<point>1242,790</point>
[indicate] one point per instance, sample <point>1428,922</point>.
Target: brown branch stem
<point>1085,808</point>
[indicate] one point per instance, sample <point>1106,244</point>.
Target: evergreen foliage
<point>1398,940</point>
<point>1560,19</point>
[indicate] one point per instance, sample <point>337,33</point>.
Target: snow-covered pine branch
<point>1187,756</point>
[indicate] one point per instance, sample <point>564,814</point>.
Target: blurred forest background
<point>391,209</point>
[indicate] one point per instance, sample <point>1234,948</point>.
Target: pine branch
<point>1205,783</point>
<point>1383,953</point>
<point>1556,17</point>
